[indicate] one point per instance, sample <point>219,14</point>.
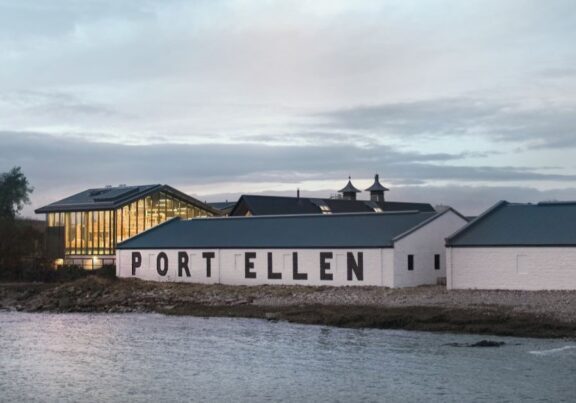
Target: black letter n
<point>356,268</point>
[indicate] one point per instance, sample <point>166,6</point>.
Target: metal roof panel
<point>513,224</point>
<point>372,230</point>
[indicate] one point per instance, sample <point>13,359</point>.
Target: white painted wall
<point>535,268</point>
<point>424,243</point>
<point>382,267</point>
<point>228,266</point>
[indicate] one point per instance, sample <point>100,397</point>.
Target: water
<point>155,358</point>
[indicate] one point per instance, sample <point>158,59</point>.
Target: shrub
<point>44,273</point>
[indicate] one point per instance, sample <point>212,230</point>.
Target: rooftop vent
<point>375,207</point>
<point>97,192</point>
<point>324,208</point>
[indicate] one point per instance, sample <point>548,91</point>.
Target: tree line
<point>21,243</point>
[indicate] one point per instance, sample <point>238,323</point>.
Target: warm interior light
<point>96,262</point>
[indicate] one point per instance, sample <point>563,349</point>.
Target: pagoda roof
<point>349,188</point>
<point>377,186</point>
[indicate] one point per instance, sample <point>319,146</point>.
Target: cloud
<point>419,118</point>
<point>544,125</point>
<point>53,103</point>
<point>221,92</point>
<point>57,166</point>
<point>186,70</point>
<point>212,162</point>
<point>473,200</point>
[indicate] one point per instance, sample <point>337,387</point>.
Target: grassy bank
<point>510,313</point>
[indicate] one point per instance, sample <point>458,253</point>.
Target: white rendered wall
<point>229,266</point>
<point>423,244</point>
<point>535,268</point>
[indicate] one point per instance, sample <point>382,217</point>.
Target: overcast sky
<point>452,102</point>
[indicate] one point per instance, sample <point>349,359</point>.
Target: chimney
<point>349,191</point>
<point>377,190</point>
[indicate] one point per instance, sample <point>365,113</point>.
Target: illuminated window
<point>148,212</point>
<point>96,233</point>
<point>324,208</point>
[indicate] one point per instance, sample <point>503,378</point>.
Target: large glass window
<point>106,232</point>
<point>83,233</point>
<point>90,237</point>
<point>125,222</point>
<point>148,212</point>
<point>98,232</point>
<point>77,225</point>
<point>118,217</point>
<point>67,231</point>
<point>133,219</point>
<point>169,207</point>
<point>141,214</point>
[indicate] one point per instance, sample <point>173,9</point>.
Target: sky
<point>460,103</point>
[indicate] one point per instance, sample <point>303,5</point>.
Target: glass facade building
<point>89,236</point>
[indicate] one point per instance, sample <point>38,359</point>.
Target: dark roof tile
<point>373,230</point>
<point>511,224</point>
<point>279,205</point>
<point>349,188</point>
<point>377,186</point>
<point>113,197</point>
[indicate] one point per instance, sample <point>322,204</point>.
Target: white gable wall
<point>424,243</point>
<point>514,268</point>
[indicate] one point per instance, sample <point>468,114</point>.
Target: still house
<point>516,246</point>
<point>251,205</point>
<point>398,249</point>
<point>85,228</point>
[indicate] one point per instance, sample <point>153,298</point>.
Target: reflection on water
<point>151,358</point>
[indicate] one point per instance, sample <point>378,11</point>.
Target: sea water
<point>156,358</point>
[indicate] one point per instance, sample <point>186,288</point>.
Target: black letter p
<point>136,261</point>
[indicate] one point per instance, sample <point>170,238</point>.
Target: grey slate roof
<point>373,230</point>
<point>513,224</point>
<point>279,205</point>
<point>349,188</point>
<point>377,186</point>
<point>113,197</point>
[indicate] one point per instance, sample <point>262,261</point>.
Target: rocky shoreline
<point>431,308</point>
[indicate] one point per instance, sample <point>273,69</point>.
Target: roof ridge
<point>312,215</point>
<point>465,228</point>
<point>556,203</point>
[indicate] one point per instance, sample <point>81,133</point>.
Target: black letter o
<point>162,257</point>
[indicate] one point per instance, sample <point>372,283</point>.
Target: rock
<point>487,343</point>
<point>481,343</point>
<point>64,302</point>
<point>272,316</point>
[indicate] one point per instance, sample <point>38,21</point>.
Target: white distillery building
<point>517,247</point>
<point>399,249</point>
